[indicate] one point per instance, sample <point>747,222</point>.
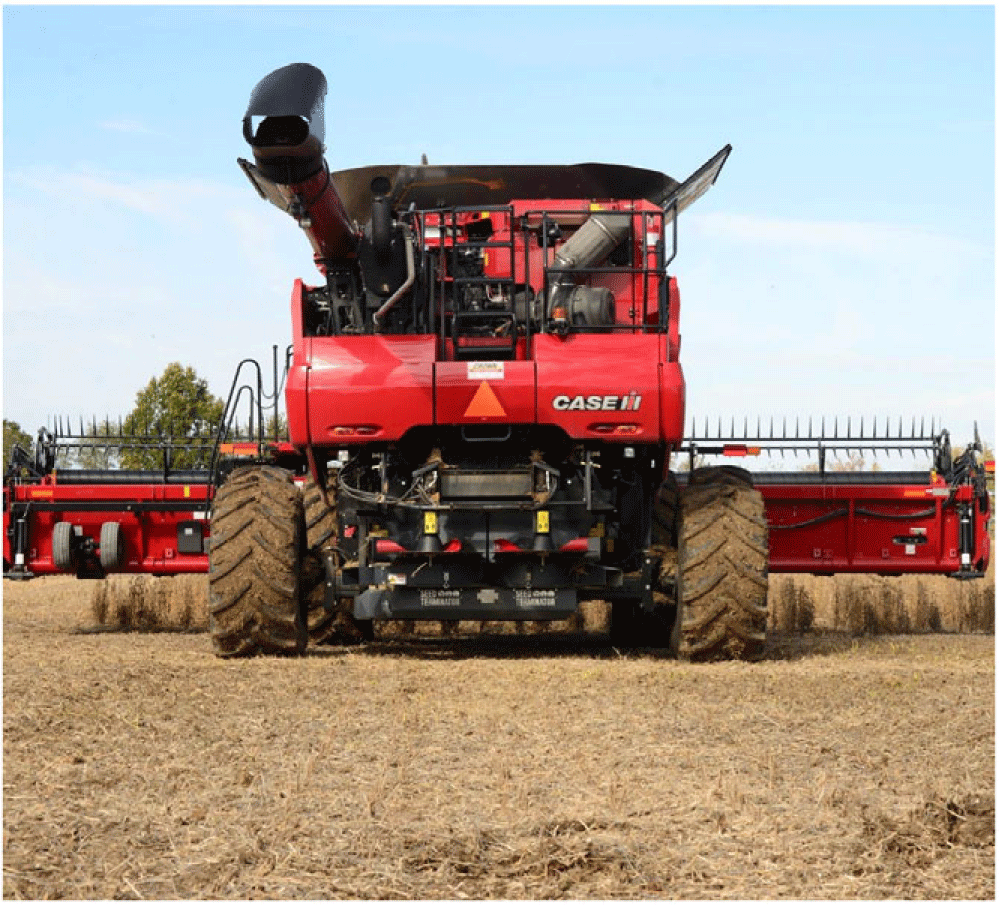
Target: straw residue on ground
<point>136,764</point>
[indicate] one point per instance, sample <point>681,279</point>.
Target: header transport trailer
<point>485,405</point>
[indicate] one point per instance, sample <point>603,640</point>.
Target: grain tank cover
<point>430,187</point>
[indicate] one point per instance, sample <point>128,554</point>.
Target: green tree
<point>13,433</point>
<point>175,409</point>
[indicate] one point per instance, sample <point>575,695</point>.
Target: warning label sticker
<point>484,370</point>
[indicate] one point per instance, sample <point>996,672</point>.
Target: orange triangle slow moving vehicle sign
<point>485,404</point>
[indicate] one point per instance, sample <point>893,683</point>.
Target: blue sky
<point>842,265</point>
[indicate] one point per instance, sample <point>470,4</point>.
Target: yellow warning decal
<point>485,404</point>
<point>40,494</point>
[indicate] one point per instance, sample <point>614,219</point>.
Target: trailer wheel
<point>112,546</point>
<point>62,547</point>
<point>716,474</point>
<point>326,626</point>
<point>722,566</point>
<point>631,626</point>
<point>255,557</point>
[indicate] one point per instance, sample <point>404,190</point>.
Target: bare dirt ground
<point>139,765</point>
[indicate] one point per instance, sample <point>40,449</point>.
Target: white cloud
<point>129,127</point>
<point>178,202</point>
<point>837,318</point>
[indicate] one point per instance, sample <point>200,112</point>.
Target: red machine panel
<point>485,392</point>
<point>362,388</point>
<point>163,527</point>
<point>578,391</point>
<point>880,528</point>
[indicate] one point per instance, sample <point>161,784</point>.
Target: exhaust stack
<point>284,127</point>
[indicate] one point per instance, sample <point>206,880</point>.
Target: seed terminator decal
<point>630,402</point>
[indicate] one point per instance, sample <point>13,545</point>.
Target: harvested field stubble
<point>137,764</point>
<point>875,605</point>
<point>855,604</point>
<point>143,603</point>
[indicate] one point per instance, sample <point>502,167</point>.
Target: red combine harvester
<point>486,405</point>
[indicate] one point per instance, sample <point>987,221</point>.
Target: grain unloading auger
<point>485,406</point>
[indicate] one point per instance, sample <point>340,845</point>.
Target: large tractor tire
<point>722,562</point>
<point>255,560</point>
<point>326,625</point>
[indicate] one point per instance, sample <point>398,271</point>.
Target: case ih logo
<point>630,402</point>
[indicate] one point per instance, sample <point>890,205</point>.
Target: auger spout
<point>284,126</point>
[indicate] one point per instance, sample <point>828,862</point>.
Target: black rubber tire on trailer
<point>112,546</point>
<point>62,547</point>
<point>255,558</point>
<point>722,566</point>
<point>720,473</point>
<point>326,626</point>
<point>661,628</point>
